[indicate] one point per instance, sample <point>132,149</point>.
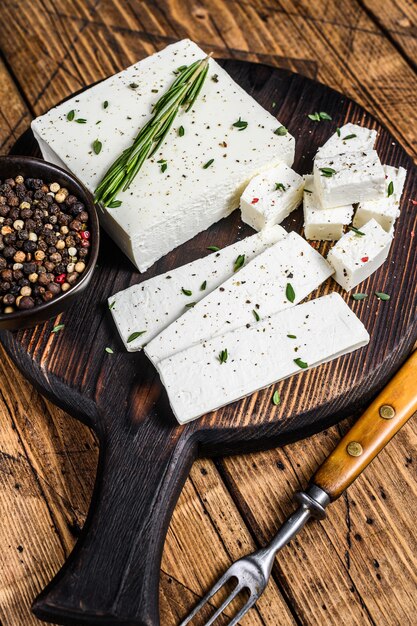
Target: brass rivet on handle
<point>386,411</point>
<point>354,448</point>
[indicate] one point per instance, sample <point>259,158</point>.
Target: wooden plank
<point>397,20</point>
<point>360,562</point>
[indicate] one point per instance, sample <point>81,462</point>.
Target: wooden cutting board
<point>113,573</point>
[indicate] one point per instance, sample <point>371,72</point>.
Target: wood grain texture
<point>77,48</point>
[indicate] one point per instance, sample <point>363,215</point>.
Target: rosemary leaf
<point>135,335</point>
<point>359,296</point>
<point>181,94</point>
<point>256,315</point>
<point>57,328</point>
<point>223,356</point>
<point>301,363</point>
<point>328,172</point>
<point>186,292</point>
<point>240,261</point>
<point>70,115</point>
<point>213,248</point>
<point>357,232</point>
<point>206,165</point>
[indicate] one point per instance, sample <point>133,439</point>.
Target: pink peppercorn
<point>60,279</point>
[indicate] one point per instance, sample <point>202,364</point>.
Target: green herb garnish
<point>109,350</point>
<point>359,296</point>
<point>111,305</point>
<point>203,286</point>
<point>135,335</point>
<point>328,172</point>
<point>105,104</point>
<point>70,115</point>
<point>81,120</point>
<point>281,130</point>
<point>182,93</point>
<point>301,363</point>
<point>338,132</point>
<point>186,292</point>
<point>190,305</point>
<point>357,232</point>
<point>279,187</point>
<point>276,399</point>
<point>382,296</point>
<point>206,165</point>
<point>256,315</point>
<point>163,164</point>
<point>390,190</point>
<point>114,204</point>
<point>181,131</point>
<point>223,356</point>
<point>349,137</point>
<point>317,117</point>
<point>133,85</point>
<point>240,124</point>
<point>289,292</point>
<point>292,336</point>
<point>57,328</point>
<point>240,261</point>
<point>213,248</point>
<point>97,146</point>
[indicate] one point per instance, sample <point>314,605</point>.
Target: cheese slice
<point>355,257</point>
<point>259,289</point>
<point>197,382</point>
<point>386,209</point>
<point>163,209</point>
<point>271,196</point>
<point>155,303</point>
<point>348,138</point>
<point>323,224</point>
<point>351,177</point>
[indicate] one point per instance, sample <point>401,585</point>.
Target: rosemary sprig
<point>182,93</point>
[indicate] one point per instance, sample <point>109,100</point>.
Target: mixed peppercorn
<point>44,242</point>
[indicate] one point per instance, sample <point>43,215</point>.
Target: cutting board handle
<point>112,575</point>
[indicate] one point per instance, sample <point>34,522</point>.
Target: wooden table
<point>357,567</point>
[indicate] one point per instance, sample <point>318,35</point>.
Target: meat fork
<point>380,422</point>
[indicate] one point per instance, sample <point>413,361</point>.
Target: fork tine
<point>218,585</point>
<point>245,608</point>
<point>226,603</point>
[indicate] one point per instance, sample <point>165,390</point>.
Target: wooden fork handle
<point>380,422</point>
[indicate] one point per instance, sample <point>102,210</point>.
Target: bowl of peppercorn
<point>49,240</point>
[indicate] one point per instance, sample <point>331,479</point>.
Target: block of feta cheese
<point>279,346</point>
<point>153,304</point>
<point>206,165</point>
<point>355,257</point>
<point>271,196</point>
<point>386,209</point>
<point>323,224</point>
<point>258,290</point>
<point>348,138</point>
<point>348,178</point>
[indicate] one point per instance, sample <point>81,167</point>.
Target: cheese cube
<point>348,178</point>
<point>386,209</point>
<point>207,166</point>
<point>355,257</point>
<point>314,332</point>
<point>258,290</point>
<point>349,138</point>
<point>271,196</point>
<point>155,303</point>
<point>323,224</point>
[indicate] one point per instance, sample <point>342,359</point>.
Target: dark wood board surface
<point>145,457</point>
